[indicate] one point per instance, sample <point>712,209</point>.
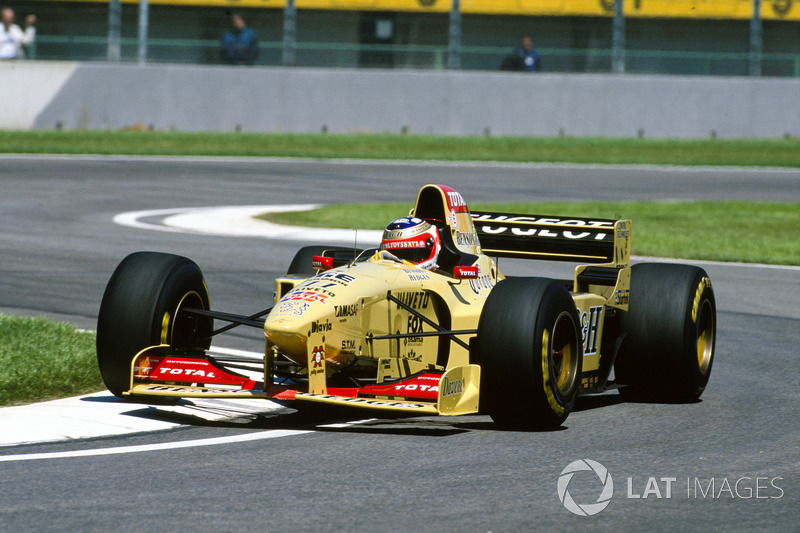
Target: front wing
<point>157,372</point>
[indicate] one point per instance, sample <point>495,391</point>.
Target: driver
<point>414,240</point>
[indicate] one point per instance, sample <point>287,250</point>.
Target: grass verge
<point>751,232</point>
<point>43,359</point>
<point>769,152</point>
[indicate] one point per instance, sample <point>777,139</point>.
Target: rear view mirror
<point>322,263</point>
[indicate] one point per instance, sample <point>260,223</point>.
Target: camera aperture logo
<point>585,509</point>
<point>589,478</point>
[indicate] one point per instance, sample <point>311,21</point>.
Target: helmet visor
<point>413,250</point>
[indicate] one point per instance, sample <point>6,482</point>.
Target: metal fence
<point>354,55</point>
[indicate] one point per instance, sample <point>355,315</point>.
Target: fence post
<point>454,44</point>
<point>289,34</point>
<point>755,40</point>
<point>144,21</point>
<point>618,39</point>
<point>114,52</point>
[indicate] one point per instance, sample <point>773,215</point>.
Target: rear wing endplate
<point>585,240</point>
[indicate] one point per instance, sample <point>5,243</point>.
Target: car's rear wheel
<point>142,306</point>
<point>669,334</point>
<point>530,353</point>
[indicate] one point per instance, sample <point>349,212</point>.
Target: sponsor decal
<point>395,245</point>
<point>319,326</point>
<point>450,388</point>
<point>318,353</point>
<point>306,296</point>
<point>466,239</point>
<point>416,274</point>
<point>622,297</point>
<point>410,387</point>
<point>323,283</point>
<point>483,283</point>
<point>195,390</point>
<point>415,300</point>
<point>366,401</point>
<point>584,225</point>
<point>781,7</point>
<point>189,370</point>
<point>590,324</point>
<point>345,310</point>
<point>452,219</point>
<point>336,277</point>
<point>414,326</point>
<point>199,373</point>
<point>349,346</point>
<point>455,201</point>
<point>292,308</point>
<point>413,356</point>
<point>608,5</point>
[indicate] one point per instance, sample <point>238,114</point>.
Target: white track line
<point>213,441</point>
<point>424,163</point>
<point>240,221</point>
<point>261,435</point>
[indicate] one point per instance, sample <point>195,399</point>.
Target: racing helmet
<point>413,240</point>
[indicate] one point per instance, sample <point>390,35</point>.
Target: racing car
<point>376,329</point>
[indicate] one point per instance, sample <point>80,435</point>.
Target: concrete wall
<point>192,98</point>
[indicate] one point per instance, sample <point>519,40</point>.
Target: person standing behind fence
<point>528,55</point>
<point>239,44</point>
<point>12,38</point>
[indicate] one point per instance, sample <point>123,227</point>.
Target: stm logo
<point>606,492</point>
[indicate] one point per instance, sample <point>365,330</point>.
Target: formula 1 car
<point>364,328</point>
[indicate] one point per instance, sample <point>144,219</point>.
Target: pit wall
<point>50,95</point>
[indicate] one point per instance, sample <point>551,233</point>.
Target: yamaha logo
<point>585,509</point>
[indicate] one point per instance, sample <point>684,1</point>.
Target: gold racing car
<point>368,329</point>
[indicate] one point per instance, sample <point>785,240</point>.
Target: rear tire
<point>670,331</point>
<point>141,308</point>
<point>530,353</point>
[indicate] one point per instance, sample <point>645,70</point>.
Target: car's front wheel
<point>530,353</point>
<point>142,306</point>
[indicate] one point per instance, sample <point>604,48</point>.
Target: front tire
<point>670,331</point>
<point>141,308</point>
<point>530,353</point>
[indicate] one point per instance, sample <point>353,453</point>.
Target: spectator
<point>12,38</point>
<point>239,44</point>
<point>528,55</point>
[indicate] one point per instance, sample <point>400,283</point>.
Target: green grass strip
<point>42,359</point>
<point>770,152</point>
<point>750,232</point>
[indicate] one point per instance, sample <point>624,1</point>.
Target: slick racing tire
<point>669,333</point>
<point>301,264</point>
<point>141,308</point>
<point>530,353</point>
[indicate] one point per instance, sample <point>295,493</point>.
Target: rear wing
<point>585,240</point>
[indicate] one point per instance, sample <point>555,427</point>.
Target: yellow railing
<point>697,9</point>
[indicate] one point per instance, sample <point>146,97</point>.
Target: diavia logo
<point>585,509</point>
